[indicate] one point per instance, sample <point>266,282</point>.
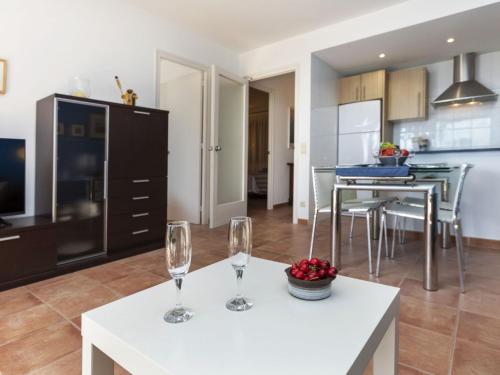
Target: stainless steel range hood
<point>465,89</point>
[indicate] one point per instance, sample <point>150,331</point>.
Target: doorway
<point>277,145</point>
<point>181,91</point>
<point>258,148</point>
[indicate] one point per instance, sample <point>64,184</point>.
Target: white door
<point>181,93</point>
<point>228,147</point>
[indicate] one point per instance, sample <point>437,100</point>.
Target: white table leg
<point>94,361</point>
<point>385,360</point>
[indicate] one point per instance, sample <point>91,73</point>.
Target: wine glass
<point>240,248</point>
<point>178,256</point>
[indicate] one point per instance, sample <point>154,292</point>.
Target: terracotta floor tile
<point>473,359</point>
<point>63,287</point>
<point>135,282</point>
<point>480,302</point>
<point>405,370</point>
<point>448,296</point>
<point>70,364</point>
<point>424,349</point>
<point>479,329</point>
<point>11,303</point>
<point>108,272</point>
<point>23,322</point>
<point>434,317</point>
<point>77,322</point>
<point>82,300</point>
<point>39,349</point>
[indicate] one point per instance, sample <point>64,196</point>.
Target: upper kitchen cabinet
<point>407,94</point>
<point>361,87</point>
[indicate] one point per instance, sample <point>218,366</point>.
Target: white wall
<point>296,53</point>
<point>454,128</point>
<point>324,119</point>
<point>282,97</point>
<point>48,42</point>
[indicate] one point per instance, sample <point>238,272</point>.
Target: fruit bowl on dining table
<point>392,155</point>
<point>310,279</point>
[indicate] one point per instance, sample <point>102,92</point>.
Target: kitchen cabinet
<point>361,87</point>
<point>407,94</point>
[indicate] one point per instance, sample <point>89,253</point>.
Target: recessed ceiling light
<point>381,56</point>
<point>450,40</point>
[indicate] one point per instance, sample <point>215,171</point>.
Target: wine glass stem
<point>178,284</point>
<point>239,280</point>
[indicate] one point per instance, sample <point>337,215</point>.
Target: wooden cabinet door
<point>407,94</point>
<point>349,89</point>
<point>373,85</point>
<point>120,155</point>
<point>149,146</point>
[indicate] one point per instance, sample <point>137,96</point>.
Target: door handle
<point>140,215</point>
<point>140,198</point>
<point>11,238</point>
<point>210,148</point>
<point>140,181</point>
<point>135,233</point>
<point>218,148</point>
<point>142,113</point>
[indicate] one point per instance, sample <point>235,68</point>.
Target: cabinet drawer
<point>128,223</point>
<point>135,204</point>
<point>137,187</point>
<point>138,237</point>
<point>26,253</point>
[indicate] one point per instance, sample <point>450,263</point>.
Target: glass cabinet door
<point>80,178</point>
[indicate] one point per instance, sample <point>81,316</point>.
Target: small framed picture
<point>291,128</point>
<point>97,126</point>
<point>77,130</point>
<point>3,76</point>
<point>60,128</point>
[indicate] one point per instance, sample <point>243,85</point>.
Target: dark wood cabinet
<point>113,206</point>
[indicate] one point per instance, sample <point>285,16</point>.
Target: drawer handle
<point>140,232</point>
<point>140,198</point>
<point>141,181</point>
<point>142,113</point>
<point>141,214</point>
<point>11,238</point>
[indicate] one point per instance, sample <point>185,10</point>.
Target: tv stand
<point>4,224</point>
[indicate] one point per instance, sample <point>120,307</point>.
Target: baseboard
<point>284,204</point>
<point>303,221</point>
<point>468,241</point>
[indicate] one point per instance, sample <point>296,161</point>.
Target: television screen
<point>12,176</point>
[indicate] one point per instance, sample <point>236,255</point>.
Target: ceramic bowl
<point>392,161</point>
<point>309,290</point>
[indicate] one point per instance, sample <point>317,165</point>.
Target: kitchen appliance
<point>359,129</point>
<point>464,89</point>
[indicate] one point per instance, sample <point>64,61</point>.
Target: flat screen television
<point>12,177</point>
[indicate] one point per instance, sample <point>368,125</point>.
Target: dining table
<point>421,179</point>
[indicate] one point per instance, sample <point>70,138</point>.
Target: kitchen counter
<point>449,151</point>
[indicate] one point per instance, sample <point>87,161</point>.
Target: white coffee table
<point>279,335</point>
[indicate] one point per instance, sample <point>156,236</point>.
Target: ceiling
<point>243,25</point>
<point>477,30</point>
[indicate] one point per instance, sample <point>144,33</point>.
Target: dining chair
<point>445,215</point>
<point>324,178</point>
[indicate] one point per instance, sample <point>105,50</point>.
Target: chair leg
<point>369,239</point>
<point>383,229</point>
<point>312,234</point>
<point>459,244</point>
<point>385,234</point>
<point>352,225</point>
<point>394,236</point>
<point>402,232</point>
<point>460,236</point>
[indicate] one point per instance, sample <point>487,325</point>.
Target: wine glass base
<point>178,315</point>
<point>239,304</point>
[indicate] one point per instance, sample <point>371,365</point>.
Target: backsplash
<point>467,126</point>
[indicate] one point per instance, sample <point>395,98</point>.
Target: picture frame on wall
<point>3,76</point>
<point>77,130</point>
<point>291,128</point>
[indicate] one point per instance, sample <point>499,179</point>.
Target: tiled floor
<point>441,332</point>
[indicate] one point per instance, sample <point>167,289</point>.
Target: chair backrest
<point>464,169</point>
<point>323,180</point>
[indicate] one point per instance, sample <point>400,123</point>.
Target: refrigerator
<point>359,132</point>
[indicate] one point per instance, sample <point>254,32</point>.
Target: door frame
<point>270,141</point>
<point>271,74</point>
<point>205,70</point>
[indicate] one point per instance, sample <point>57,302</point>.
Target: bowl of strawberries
<point>310,279</point>
<point>390,154</point>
